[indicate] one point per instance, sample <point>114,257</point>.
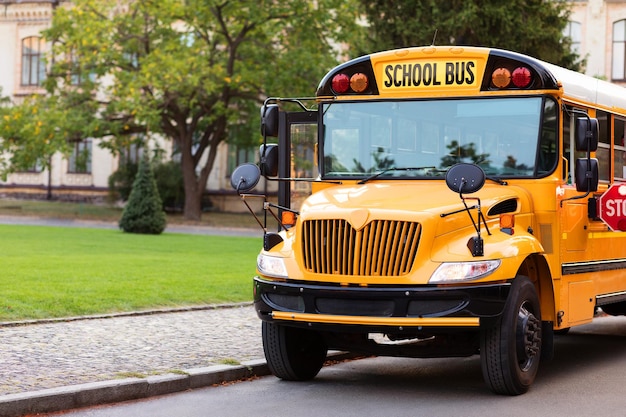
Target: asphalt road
<point>586,378</point>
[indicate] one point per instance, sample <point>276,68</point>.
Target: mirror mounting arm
<point>471,178</point>
<point>243,198</point>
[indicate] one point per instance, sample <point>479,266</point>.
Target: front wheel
<point>510,348</point>
<point>293,354</point>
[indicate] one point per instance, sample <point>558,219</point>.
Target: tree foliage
<point>143,212</point>
<point>188,70</point>
<point>533,27</point>
<point>31,133</point>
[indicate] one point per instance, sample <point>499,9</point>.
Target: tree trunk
<point>193,192</point>
<point>195,185</point>
<point>195,181</point>
<point>193,204</point>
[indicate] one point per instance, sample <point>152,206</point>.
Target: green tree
<point>533,27</point>
<point>188,70</point>
<point>143,212</point>
<point>32,132</point>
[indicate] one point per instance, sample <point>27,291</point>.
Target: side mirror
<point>465,178</point>
<point>269,120</point>
<point>587,133</point>
<point>587,177</point>
<point>269,160</point>
<point>245,177</point>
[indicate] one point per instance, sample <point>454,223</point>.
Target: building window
<point>573,30</point>
<point>80,159</point>
<point>619,50</point>
<point>238,155</point>
<point>35,168</point>
<point>131,154</point>
<point>33,65</point>
<point>78,75</point>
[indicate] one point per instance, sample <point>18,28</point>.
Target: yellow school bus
<point>451,206</point>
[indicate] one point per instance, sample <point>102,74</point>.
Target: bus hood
<point>422,202</point>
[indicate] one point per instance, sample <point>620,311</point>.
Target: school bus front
<point>433,228</point>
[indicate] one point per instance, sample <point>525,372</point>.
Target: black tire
<point>293,354</point>
<point>510,349</point>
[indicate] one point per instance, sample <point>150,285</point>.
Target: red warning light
<point>521,77</point>
<point>341,83</point>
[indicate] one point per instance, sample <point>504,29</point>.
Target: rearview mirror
<point>269,120</point>
<point>587,132</point>
<point>587,174</point>
<point>245,177</point>
<point>269,160</point>
<point>465,178</point>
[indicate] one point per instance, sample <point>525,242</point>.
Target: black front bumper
<point>470,301</point>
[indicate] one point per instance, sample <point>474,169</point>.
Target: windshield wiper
<point>384,171</point>
<point>497,180</point>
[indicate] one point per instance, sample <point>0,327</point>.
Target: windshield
<point>507,137</point>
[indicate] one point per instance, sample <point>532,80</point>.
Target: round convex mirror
<point>245,177</point>
<point>465,178</point>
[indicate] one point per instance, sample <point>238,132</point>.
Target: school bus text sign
<point>435,74</point>
<point>612,207</point>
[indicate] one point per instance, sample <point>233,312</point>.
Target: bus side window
<point>547,155</point>
<point>569,144</point>
<point>619,128</point>
<point>604,146</point>
<point>567,140</point>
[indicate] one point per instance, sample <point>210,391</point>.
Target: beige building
<point>84,174</point>
<point>598,29</point>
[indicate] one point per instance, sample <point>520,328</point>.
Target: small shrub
<point>169,179</point>
<point>144,211</point>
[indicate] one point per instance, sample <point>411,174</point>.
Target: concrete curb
<point>108,392</point>
<point>125,314</point>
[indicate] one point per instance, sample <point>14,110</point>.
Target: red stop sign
<point>612,207</point>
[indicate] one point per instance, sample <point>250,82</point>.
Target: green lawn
<point>59,272</point>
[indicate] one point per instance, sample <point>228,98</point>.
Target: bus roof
<point>583,88</point>
<point>455,70</point>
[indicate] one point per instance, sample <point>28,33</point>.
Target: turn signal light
<point>507,222</point>
<point>288,218</point>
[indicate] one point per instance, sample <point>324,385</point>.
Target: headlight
<point>271,265</point>
<point>463,271</point>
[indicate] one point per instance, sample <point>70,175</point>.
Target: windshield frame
<point>547,108</point>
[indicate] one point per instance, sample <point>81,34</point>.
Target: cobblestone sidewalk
<point>50,355</point>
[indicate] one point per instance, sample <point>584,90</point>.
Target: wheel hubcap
<point>528,337</point>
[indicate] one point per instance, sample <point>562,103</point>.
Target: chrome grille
<point>380,248</point>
